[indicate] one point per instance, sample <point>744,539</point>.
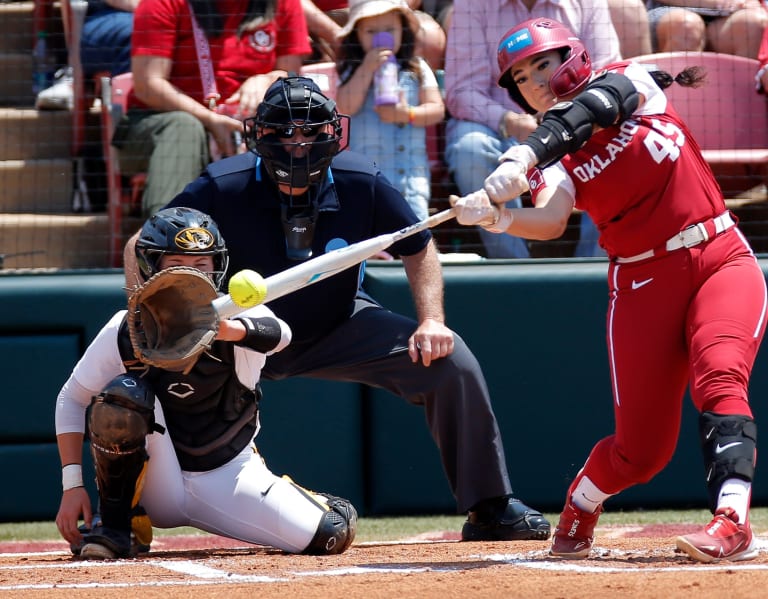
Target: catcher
<point>187,459</point>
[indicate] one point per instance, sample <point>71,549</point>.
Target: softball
<point>247,288</point>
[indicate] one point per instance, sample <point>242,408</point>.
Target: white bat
<point>329,264</point>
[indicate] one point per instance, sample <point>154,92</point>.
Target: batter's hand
<point>432,340</point>
<point>474,209</point>
<point>74,503</point>
<point>509,179</point>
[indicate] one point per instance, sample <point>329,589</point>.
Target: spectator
<point>326,18</point>
<point>677,258</point>
<point>105,46</point>
<point>485,121</point>
<point>630,19</point>
<point>204,469</point>
<point>296,196</point>
<point>165,132</point>
<point>732,27</point>
<point>393,135</point>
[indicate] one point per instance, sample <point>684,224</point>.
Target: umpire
<point>295,196</point>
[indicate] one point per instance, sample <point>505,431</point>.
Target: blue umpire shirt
<point>356,202</point>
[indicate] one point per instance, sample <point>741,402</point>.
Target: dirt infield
<point>626,562</point>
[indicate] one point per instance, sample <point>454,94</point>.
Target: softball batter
<point>687,297</point>
<point>188,458</point>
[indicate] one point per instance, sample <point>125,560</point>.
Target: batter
<point>687,297</point>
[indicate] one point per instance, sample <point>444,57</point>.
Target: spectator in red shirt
<point>179,101</point>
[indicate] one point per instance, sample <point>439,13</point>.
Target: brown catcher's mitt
<point>171,320</point>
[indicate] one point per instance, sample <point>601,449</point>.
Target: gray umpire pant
<point>371,347</point>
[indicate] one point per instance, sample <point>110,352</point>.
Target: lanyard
<point>204,61</point>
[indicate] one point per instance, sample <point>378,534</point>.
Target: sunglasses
<point>290,130</point>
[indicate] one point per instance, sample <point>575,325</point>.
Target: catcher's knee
<point>729,447</point>
<point>121,416</point>
<point>336,530</point>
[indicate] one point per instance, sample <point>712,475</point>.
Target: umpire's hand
<point>432,340</point>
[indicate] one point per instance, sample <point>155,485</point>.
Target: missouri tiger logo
<point>194,239</point>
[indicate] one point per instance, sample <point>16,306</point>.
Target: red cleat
<point>722,539</point>
<point>574,533</point>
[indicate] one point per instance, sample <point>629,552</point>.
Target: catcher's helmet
<point>289,103</point>
<point>539,35</point>
<point>183,231</point>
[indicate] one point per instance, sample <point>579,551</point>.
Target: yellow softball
<point>247,288</point>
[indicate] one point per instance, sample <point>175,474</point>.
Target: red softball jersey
<point>641,181</point>
<point>164,28</point>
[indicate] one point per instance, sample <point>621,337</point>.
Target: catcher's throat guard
<point>171,321</point>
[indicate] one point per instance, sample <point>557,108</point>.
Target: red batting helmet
<point>540,35</point>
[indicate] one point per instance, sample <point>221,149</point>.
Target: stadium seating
<point>124,198</point>
<point>84,92</point>
<point>728,118</point>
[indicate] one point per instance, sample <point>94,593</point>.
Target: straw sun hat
<point>361,9</point>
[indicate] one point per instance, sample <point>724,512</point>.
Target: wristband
<point>502,223</point>
<point>411,115</point>
<point>71,476</point>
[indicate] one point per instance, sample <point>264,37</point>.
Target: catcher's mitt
<point>171,320</point>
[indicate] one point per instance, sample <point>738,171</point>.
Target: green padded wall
<point>537,328</point>
<point>538,331</point>
<point>312,431</point>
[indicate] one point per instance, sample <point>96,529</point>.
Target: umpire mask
<point>297,131</point>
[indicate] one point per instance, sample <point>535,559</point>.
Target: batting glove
<point>477,209</point>
<point>508,180</point>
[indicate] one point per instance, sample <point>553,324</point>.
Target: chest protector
<point>210,415</point>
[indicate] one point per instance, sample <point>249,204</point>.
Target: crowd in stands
<point>202,66</point>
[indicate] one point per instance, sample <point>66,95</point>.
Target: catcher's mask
<point>292,105</point>
<point>540,35</point>
<point>183,231</point>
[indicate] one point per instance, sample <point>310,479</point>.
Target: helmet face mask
<point>540,35</point>
<point>299,163</point>
<point>293,103</point>
<point>180,231</point>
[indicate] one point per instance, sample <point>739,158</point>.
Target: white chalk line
<point>201,574</point>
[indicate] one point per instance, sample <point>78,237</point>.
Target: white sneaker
<point>61,95</point>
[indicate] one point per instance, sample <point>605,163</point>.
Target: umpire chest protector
<point>210,415</point>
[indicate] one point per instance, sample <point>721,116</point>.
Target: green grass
<point>390,529</point>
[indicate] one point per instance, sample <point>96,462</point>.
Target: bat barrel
<point>225,307</point>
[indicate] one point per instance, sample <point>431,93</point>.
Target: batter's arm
<point>432,339</point>
<point>547,220</point>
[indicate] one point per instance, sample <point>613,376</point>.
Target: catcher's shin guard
<point>119,420</point>
<point>729,448</point>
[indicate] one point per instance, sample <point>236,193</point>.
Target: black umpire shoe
<point>504,519</point>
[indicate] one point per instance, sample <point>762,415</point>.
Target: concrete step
<point>42,186</point>
<point>16,79</point>
<point>16,42</point>
<point>60,241</point>
<point>16,27</point>
<point>29,134</point>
